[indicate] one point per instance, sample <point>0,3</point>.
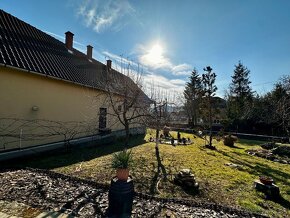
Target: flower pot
<point>121,194</point>
<point>122,174</point>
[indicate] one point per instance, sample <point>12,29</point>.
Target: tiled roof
<point>25,47</point>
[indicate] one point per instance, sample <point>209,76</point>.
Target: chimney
<point>109,64</point>
<point>69,38</point>
<point>89,51</point>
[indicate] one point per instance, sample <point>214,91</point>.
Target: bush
<point>229,140</point>
<point>269,145</point>
<point>282,150</point>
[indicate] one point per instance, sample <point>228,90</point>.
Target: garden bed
<point>83,198</point>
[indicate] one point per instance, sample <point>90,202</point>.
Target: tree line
<point>245,110</point>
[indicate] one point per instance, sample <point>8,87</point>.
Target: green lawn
<point>218,183</point>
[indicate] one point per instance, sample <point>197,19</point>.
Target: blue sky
<point>169,37</point>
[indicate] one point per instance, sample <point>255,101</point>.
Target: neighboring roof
<point>25,47</point>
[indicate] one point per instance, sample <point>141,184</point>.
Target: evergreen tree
<point>192,95</point>
<point>209,89</point>
<point>240,86</point>
<point>240,95</point>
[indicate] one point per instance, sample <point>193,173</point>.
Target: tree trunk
<point>127,131</point>
<point>210,123</point>
<point>157,139</point>
<point>195,118</point>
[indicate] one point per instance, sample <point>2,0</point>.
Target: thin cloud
<point>163,84</point>
<point>159,61</point>
<point>101,15</point>
<point>157,86</point>
<point>178,82</point>
<point>145,58</point>
<point>182,69</point>
<point>62,38</point>
<point>119,58</point>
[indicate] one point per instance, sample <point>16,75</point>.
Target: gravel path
<point>82,198</point>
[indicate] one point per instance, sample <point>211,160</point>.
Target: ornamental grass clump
<point>122,160</point>
<point>229,140</point>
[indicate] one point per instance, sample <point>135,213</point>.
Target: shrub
<point>122,160</point>
<point>229,140</point>
<point>269,145</point>
<point>282,150</point>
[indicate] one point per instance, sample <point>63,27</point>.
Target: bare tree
<point>124,97</point>
<point>282,95</point>
<point>209,89</point>
<point>159,115</point>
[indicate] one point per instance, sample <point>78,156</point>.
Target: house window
<point>103,118</point>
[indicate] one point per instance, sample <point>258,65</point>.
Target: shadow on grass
<point>76,154</point>
<point>190,191</point>
<point>159,174</point>
<point>236,147</point>
<point>283,202</point>
<point>259,169</point>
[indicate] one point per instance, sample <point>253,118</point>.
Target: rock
<point>284,161</point>
<point>185,171</point>
<point>232,165</point>
<point>267,154</point>
<point>186,179</point>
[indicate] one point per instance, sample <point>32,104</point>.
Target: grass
<point>218,183</point>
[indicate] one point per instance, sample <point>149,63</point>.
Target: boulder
<point>186,179</point>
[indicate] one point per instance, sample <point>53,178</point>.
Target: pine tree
<point>240,95</point>
<point>240,86</point>
<point>192,95</point>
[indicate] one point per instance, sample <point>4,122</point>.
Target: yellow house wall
<point>57,101</point>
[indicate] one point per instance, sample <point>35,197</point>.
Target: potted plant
<point>121,161</point>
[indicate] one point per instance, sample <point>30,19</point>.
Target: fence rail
<point>240,135</point>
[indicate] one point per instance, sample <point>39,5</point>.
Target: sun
<point>155,54</point>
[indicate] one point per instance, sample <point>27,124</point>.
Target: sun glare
<point>155,54</point>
